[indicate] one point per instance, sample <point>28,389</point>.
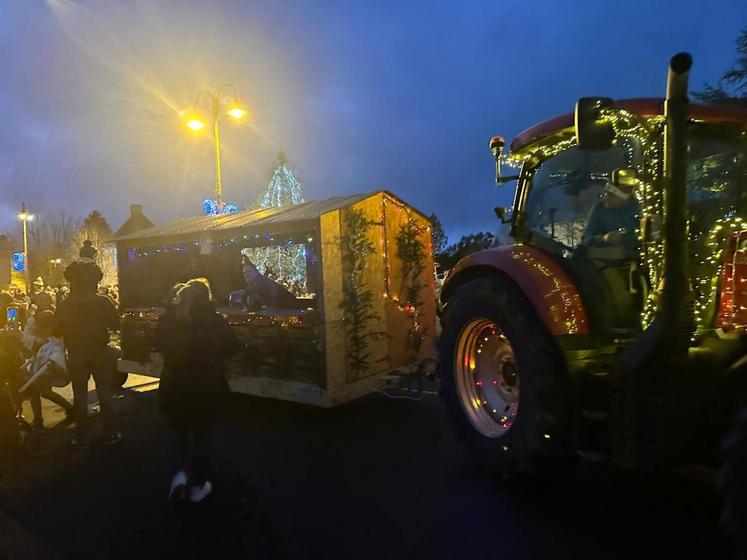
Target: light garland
<point>412,303</point>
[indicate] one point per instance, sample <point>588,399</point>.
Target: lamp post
<point>26,217</point>
<point>218,108</point>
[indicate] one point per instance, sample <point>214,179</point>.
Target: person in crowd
<point>195,342</point>
<point>40,297</point>
<point>261,291</point>
<point>47,361</point>
<point>84,321</point>
<point>21,303</point>
<point>84,274</point>
<point>62,292</point>
<point>613,220</point>
<point>6,301</point>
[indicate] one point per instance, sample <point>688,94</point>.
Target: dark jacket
<point>83,277</point>
<point>604,220</point>
<point>195,352</point>
<point>84,321</point>
<point>265,291</point>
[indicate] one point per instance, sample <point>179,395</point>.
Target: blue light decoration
<point>18,261</point>
<point>209,207</point>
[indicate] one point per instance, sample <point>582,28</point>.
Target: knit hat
<point>622,183</point>
<point>88,251</point>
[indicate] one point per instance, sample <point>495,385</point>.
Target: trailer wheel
<point>732,483</point>
<point>503,379</point>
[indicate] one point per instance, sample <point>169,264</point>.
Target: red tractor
<point>614,328</point>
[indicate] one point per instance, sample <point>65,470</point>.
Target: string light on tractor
<point>707,286</point>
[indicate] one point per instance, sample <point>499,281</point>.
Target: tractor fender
<point>545,284</point>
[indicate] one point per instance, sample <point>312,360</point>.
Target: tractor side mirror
<point>593,133</point>
<point>496,146</point>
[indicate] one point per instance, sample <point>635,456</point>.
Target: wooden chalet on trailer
<point>361,267</point>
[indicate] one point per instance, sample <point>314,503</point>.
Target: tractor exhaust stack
<point>676,303</point>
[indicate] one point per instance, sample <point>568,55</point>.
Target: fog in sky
<point>361,95</point>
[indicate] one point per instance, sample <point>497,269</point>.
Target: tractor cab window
<point>717,193</point>
<point>716,178</point>
<point>566,187</point>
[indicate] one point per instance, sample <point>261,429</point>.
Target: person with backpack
<point>195,342</point>
<point>84,274</point>
<point>84,322</point>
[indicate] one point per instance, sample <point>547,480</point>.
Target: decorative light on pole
<point>26,217</point>
<point>196,123</point>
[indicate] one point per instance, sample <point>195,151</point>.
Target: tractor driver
<point>613,220</point>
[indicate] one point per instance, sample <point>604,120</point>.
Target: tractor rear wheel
<point>503,379</point>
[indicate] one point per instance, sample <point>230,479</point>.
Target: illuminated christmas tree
<point>284,188</point>
<point>289,261</point>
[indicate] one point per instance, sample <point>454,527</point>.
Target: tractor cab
<point>575,207</point>
<point>598,211</point>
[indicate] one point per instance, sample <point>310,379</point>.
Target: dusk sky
<point>361,95</point>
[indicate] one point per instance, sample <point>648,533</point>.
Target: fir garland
<point>357,299</point>
<point>411,252</point>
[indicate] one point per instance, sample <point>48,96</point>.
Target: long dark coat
<point>193,382</point>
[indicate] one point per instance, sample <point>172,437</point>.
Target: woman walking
<point>195,341</point>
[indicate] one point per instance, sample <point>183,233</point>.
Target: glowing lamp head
<point>236,112</point>
<point>25,216</point>
<point>195,124</point>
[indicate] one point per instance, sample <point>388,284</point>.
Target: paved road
<point>376,478</point>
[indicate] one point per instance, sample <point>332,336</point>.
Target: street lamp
<point>195,123</point>
<point>26,217</point>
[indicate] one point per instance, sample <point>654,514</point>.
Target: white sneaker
<point>178,485</point>
<point>199,493</point>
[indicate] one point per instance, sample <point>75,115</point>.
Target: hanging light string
<point>411,233</point>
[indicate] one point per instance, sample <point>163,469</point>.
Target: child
<point>48,362</point>
<point>195,342</point>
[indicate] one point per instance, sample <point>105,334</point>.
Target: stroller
<point>15,431</point>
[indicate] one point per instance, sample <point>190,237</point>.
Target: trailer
<point>361,267</point>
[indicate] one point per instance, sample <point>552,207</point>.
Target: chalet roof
<point>264,220</point>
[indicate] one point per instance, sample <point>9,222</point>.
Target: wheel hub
<point>487,378</point>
